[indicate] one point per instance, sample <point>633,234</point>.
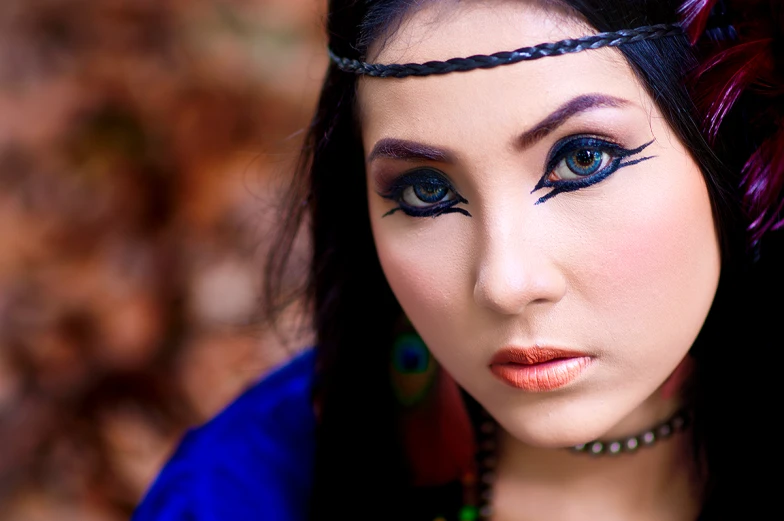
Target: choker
<point>478,495</point>
<point>676,423</point>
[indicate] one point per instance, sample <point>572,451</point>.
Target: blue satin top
<point>254,460</point>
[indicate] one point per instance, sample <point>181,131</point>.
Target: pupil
<point>584,162</point>
<point>585,158</point>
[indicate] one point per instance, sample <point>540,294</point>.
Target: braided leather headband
<point>480,61</point>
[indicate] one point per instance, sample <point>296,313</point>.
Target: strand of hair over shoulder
<point>480,61</point>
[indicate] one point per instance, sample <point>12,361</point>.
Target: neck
<point>655,482</point>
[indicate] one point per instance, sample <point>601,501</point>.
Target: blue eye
<point>424,192</point>
<point>428,193</point>
<point>582,161</point>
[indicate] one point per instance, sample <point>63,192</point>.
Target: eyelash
<point>423,178</point>
<point>430,178</point>
<point>570,145</point>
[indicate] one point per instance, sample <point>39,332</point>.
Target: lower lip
<point>543,377</point>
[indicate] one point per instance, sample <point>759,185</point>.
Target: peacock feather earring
<point>412,369</point>
<point>436,430</point>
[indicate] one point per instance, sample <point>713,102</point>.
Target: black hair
<point>360,470</point>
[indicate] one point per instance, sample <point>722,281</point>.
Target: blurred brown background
<point>142,145</point>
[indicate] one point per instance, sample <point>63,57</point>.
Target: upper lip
<point>532,355</point>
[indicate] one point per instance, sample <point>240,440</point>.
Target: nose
<point>516,269</point>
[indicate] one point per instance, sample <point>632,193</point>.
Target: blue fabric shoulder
<point>253,461</point>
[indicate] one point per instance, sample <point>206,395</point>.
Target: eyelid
<point>390,185</point>
<point>572,143</point>
<point>396,186</point>
<point>569,143</point>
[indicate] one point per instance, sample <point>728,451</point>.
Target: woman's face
<point>542,227</point>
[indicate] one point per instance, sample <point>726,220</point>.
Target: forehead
<point>438,29</point>
<point>522,92</point>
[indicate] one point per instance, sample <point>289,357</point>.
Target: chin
<point>554,430</point>
<point>551,439</point>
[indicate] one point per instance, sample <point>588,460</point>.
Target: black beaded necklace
<point>477,493</point>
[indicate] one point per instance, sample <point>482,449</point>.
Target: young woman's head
<point>566,207</point>
<point>547,205</point>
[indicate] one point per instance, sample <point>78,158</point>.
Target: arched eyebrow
<point>561,115</point>
<point>393,148</point>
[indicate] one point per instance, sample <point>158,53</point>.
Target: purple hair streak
<point>746,66</point>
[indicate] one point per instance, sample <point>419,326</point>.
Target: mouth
<point>538,369</point>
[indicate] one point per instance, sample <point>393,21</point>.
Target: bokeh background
<point>143,147</point>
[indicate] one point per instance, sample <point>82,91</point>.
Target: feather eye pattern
<point>749,66</point>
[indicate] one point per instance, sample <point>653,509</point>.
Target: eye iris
<point>584,161</point>
<point>430,192</point>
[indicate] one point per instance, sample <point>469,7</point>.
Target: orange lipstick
<point>538,369</point>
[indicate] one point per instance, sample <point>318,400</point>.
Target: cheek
<point>427,265</point>
<point>423,276</point>
<point>661,259</point>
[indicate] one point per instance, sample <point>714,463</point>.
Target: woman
<point>581,242</point>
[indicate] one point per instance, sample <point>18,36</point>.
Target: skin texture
<point>623,271</point>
